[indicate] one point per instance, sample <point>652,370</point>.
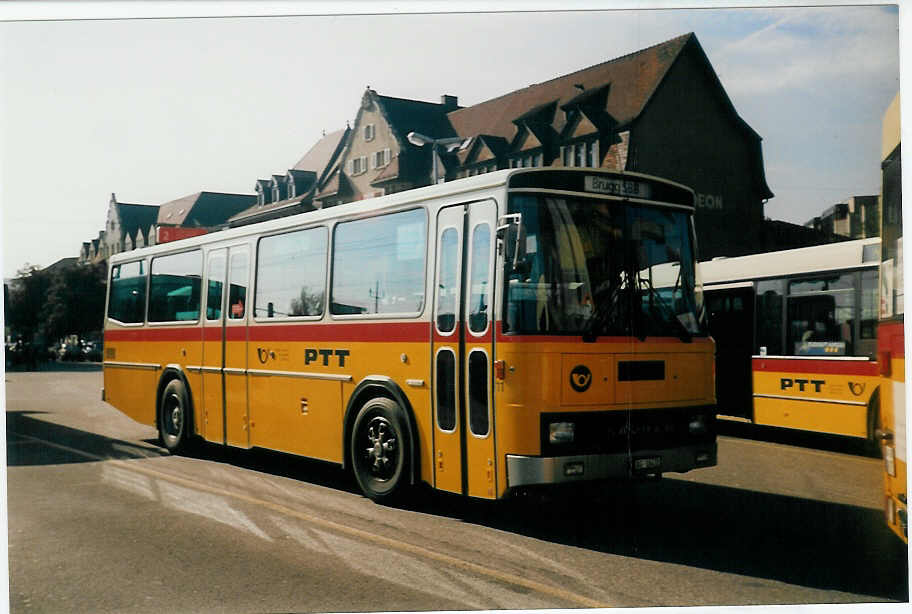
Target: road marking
<point>351,531</point>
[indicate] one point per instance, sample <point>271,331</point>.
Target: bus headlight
<point>889,453</point>
<point>697,425</point>
<point>561,432</point>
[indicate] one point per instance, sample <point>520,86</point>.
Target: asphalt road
<point>102,519</point>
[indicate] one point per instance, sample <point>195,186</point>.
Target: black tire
<point>174,418</point>
<point>380,450</point>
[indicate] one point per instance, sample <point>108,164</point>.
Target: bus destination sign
<point>617,187</point>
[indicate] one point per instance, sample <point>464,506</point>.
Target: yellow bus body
<point>295,386</point>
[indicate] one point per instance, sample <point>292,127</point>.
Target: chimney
<point>450,103</point>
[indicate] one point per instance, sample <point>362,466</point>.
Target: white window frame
<point>370,132</point>
<point>362,165</point>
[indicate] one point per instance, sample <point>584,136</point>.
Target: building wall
<point>688,134</point>
<point>360,147</point>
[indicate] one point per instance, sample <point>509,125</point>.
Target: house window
<point>580,158</point>
<point>593,157</point>
<point>358,165</point>
<point>380,158</point>
<point>291,187</point>
<point>567,155</point>
<point>369,132</point>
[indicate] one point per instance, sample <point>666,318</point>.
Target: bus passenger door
<point>478,343</point>
<point>464,459</point>
<point>446,351</point>
<point>237,422</point>
<point>212,426</point>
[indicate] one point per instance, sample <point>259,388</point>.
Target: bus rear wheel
<point>380,450</point>
<point>174,417</point>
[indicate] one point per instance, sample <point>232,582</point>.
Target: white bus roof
<point>820,258</point>
<point>479,186</point>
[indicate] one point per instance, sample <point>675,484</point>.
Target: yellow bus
<point>796,337</point>
<point>520,328</point>
<point>890,335</point>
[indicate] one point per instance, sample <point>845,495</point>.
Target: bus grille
<point>606,432</point>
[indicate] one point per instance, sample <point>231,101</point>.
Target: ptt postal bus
<point>796,337</point>
<point>520,328</point>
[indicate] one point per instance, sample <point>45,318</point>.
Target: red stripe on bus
<point>401,332</point>
<point>522,338</point>
<point>891,338</point>
<point>822,365</point>
<point>179,333</point>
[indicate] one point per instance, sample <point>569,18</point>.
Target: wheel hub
<point>382,451</point>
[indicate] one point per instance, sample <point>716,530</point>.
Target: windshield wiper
<point>604,309</point>
<point>655,298</point>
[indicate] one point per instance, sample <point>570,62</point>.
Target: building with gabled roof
<point>128,225</point>
<point>660,110</point>
<point>203,209</point>
<point>378,158</point>
<point>294,192</point>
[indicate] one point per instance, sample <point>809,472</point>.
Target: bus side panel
<point>293,410</point>
<point>814,395</point>
<point>132,391</point>
<point>893,414</point>
<point>301,416</point>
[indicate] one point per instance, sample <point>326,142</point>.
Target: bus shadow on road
<point>802,439</point>
<point>32,441</point>
<point>798,541</point>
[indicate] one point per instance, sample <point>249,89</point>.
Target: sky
<point>156,109</point>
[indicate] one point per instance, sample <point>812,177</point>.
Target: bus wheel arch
<point>374,387</point>
<point>173,388</point>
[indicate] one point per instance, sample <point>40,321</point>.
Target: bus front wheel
<point>380,450</point>
<point>174,417</point>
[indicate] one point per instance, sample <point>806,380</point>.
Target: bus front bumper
<point>534,470</point>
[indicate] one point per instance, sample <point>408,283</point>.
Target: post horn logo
<point>580,378</point>
<point>856,388</point>
<point>263,355</point>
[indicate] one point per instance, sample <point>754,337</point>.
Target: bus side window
<point>174,289</point>
<point>291,274</point>
<point>379,264</point>
<point>770,303</point>
<point>128,293</point>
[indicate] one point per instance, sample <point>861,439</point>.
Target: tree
<point>75,301</point>
<point>27,295</point>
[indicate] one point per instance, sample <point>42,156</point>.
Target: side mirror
<point>509,238</point>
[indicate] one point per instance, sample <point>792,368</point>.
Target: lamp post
<point>451,143</point>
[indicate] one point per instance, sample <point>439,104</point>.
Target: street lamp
<point>451,143</point>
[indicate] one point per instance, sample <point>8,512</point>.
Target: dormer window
<point>527,161</point>
<point>581,153</point>
<point>369,132</point>
<point>291,187</point>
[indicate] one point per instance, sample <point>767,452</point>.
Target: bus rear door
<point>225,348</point>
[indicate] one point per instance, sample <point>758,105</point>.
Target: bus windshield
<point>596,267</point>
